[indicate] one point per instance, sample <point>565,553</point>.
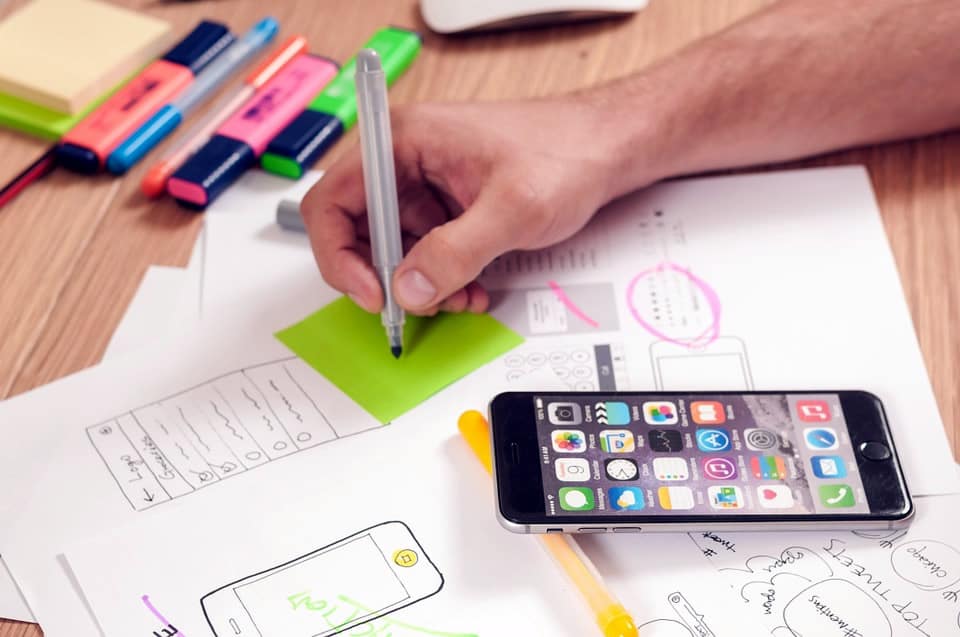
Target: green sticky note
<point>349,347</point>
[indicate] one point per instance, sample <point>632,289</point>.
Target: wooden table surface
<point>73,249</point>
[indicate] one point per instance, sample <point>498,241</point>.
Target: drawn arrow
<point>147,496</point>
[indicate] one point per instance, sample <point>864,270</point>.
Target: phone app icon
<point>713,440</point>
<point>621,469</point>
<point>675,498</point>
<point>821,438</point>
<point>568,441</point>
<point>617,441</point>
<point>725,497</point>
<point>775,496</point>
<point>829,467</point>
<point>761,439</point>
<point>572,469</point>
<point>564,413</point>
<point>665,440</point>
<point>707,412</point>
<point>660,412</point>
<point>612,412</point>
<point>671,469</point>
<point>836,496</point>
<point>577,499</point>
<point>721,468</point>
<point>625,498</point>
<point>813,410</point>
<point>768,467</point>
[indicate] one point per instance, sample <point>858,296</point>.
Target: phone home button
<point>875,451</point>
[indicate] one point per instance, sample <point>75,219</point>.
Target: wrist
<point>633,124</point>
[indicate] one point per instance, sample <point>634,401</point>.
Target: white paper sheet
<point>874,584</point>
<point>245,248</point>
<point>773,281</point>
<point>12,604</point>
<point>150,313</point>
<point>764,244</point>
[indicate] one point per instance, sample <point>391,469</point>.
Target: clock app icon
<point>621,469</point>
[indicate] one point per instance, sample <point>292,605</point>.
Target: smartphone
<point>590,462</point>
<point>333,589</point>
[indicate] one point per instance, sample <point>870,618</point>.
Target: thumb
<point>452,255</point>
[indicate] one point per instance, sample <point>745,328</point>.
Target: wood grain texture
<point>73,249</point>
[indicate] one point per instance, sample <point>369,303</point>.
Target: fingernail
<point>356,299</point>
<point>414,289</point>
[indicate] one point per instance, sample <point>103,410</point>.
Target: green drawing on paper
<point>349,347</point>
<point>353,610</point>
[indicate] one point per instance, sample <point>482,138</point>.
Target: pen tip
<point>396,350</point>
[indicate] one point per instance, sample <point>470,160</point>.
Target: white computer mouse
<point>453,16</point>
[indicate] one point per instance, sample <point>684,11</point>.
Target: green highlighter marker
<point>334,110</point>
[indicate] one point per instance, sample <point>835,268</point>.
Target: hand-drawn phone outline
<point>414,543</point>
<point>723,346</point>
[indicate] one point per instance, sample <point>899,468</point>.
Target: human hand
<point>474,181</point>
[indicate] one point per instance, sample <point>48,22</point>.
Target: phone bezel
<point>519,482</point>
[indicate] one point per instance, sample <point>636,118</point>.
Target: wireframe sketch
<point>353,581</point>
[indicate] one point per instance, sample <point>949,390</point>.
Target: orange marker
<point>86,146</point>
<point>155,181</point>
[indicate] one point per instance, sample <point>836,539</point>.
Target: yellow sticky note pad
<point>63,54</point>
<point>349,347</point>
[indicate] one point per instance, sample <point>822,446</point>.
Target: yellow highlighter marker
<point>612,618</point>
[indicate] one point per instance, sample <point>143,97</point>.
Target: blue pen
<point>155,129</point>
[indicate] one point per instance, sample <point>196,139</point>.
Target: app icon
<point>829,467</point>
<point>665,440</point>
<point>565,413</point>
<point>617,441</point>
<point>612,413</point>
<point>625,498</point>
<point>768,467</point>
<point>761,439</point>
<point>719,469</point>
<point>707,412</point>
<point>836,496</point>
<point>572,469</point>
<point>725,497</point>
<point>576,499</point>
<point>813,410</point>
<point>821,438</point>
<point>671,469</point>
<point>660,412</point>
<point>675,498</point>
<point>568,441</point>
<point>621,469</point>
<point>713,440</point>
<point>775,496</point>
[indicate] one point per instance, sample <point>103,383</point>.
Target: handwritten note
<point>349,347</point>
<point>841,584</point>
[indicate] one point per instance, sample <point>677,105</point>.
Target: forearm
<point>800,78</point>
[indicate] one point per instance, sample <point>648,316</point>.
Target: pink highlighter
<point>239,143</point>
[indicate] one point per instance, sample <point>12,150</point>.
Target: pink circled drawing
<point>706,337</point>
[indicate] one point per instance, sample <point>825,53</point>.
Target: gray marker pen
<point>380,183</point>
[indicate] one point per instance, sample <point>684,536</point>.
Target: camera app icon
<point>565,413</point>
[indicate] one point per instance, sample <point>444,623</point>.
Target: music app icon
<point>719,468</point>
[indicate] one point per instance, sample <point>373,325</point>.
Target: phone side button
<point>627,529</point>
<point>591,529</point>
<point>875,451</point>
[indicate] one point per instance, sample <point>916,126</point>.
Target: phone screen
<point>689,454</point>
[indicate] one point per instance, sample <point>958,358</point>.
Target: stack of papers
<point>207,449</point>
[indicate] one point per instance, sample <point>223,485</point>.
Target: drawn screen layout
<point>220,428</point>
<point>355,570</point>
